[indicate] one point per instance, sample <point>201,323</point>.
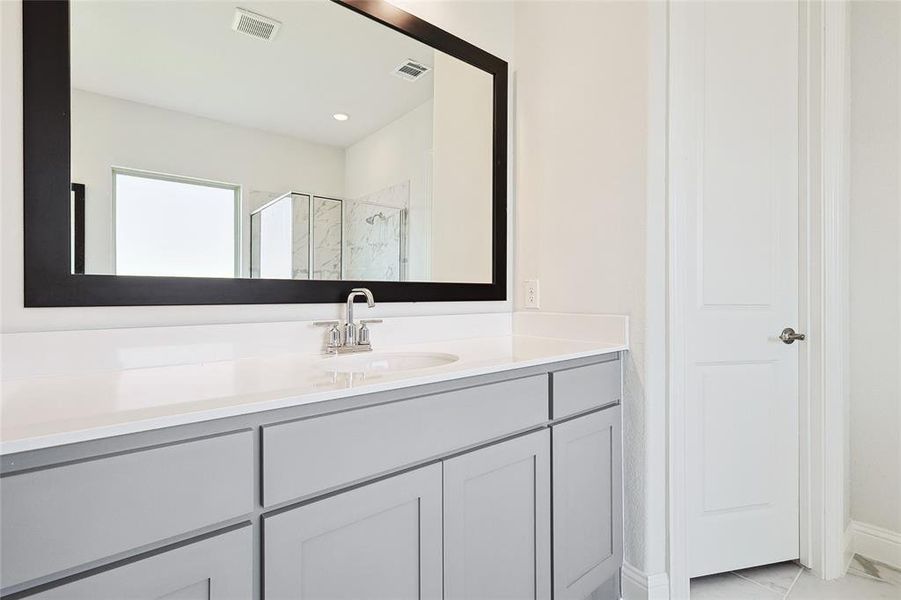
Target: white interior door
<point>734,180</point>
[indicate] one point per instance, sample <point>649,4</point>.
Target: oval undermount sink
<point>386,362</point>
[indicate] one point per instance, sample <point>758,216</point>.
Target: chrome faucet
<point>350,328</point>
<point>348,338</point>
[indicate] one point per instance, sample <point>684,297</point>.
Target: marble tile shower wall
<point>300,237</point>
<point>375,236</point>
<point>326,238</point>
<point>371,242</point>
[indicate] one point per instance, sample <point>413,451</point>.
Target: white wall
<point>400,151</point>
<point>875,266</point>
<point>444,149</point>
<point>110,132</point>
<point>486,24</point>
<point>461,184</point>
<point>584,81</point>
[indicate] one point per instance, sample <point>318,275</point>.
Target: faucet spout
<point>350,328</point>
<point>370,301</point>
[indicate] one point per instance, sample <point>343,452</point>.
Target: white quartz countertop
<point>41,412</point>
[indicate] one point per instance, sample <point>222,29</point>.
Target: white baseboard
<point>637,585</point>
<point>876,543</point>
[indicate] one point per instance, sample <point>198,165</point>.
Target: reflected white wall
<point>397,153</point>
<point>110,132</point>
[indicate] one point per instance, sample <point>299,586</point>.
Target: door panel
<point>379,541</point>
<point>587,488</point>
<point>734,176</point>
<point>497,521</point>
<point>196,591</point>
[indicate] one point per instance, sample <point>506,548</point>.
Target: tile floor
<point>866,580</point>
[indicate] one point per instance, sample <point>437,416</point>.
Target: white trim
<point>654,336</point>
<point>828,425</point>
<point>637,585</point>
<point>824,288</point>
<point>876,543</point>
<point>677,564</point>
<point>847,547</point>
<point>809,115</point>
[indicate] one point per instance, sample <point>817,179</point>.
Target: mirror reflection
<point>275,140</point>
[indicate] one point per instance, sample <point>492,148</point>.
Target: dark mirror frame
<point>47,188</point>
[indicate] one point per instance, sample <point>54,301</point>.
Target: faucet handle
<point>363,335</point>
<point>333,339</point>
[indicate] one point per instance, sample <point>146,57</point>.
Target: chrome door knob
<point>788,336</point>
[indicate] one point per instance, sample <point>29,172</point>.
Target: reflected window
<point>175,227</point>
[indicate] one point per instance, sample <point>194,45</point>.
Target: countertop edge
<point>106,431</point>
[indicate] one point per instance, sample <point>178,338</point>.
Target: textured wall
<point>582,126</point>
<point>876,264</point>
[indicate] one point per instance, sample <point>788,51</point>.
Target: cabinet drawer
<point>65,516</point>
<point>301,458</point>
<point>214,568</point>
<point>586,387</point>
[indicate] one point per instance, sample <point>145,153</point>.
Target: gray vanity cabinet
<point>497,537</point>
<point>448,491</point>
<point>81,511</point>
<point>219,567</point>
<point>587,518</point>
<point>380,540</point>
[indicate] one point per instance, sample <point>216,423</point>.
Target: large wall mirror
<point>201,152</point>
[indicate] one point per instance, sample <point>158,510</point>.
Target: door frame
<point>823,307</point>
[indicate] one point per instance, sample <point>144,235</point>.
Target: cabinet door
<point>497,521</point>
<point>587,503</point>
<point>378,541</point>
<point>215,568</point>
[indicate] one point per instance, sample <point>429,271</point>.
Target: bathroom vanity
<point>481,468</point>
<point>461,481</point>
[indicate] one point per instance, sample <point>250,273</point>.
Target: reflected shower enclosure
<point>305,236</point>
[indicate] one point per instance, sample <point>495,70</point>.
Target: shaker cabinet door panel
<point>214,568</point>
<point>378,541</point>
<point>587,503</point>
<point>497,521</point>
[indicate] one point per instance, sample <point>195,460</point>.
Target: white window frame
<point>236,188</point>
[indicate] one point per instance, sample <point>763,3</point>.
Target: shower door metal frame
<point>311,247</point>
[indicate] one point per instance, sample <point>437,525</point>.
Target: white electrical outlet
<point>531,293</point>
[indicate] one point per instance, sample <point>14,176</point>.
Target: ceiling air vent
<point>411,70</point>
<point>254,25</point>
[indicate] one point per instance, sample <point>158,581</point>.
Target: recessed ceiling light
<point>340,116</point>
